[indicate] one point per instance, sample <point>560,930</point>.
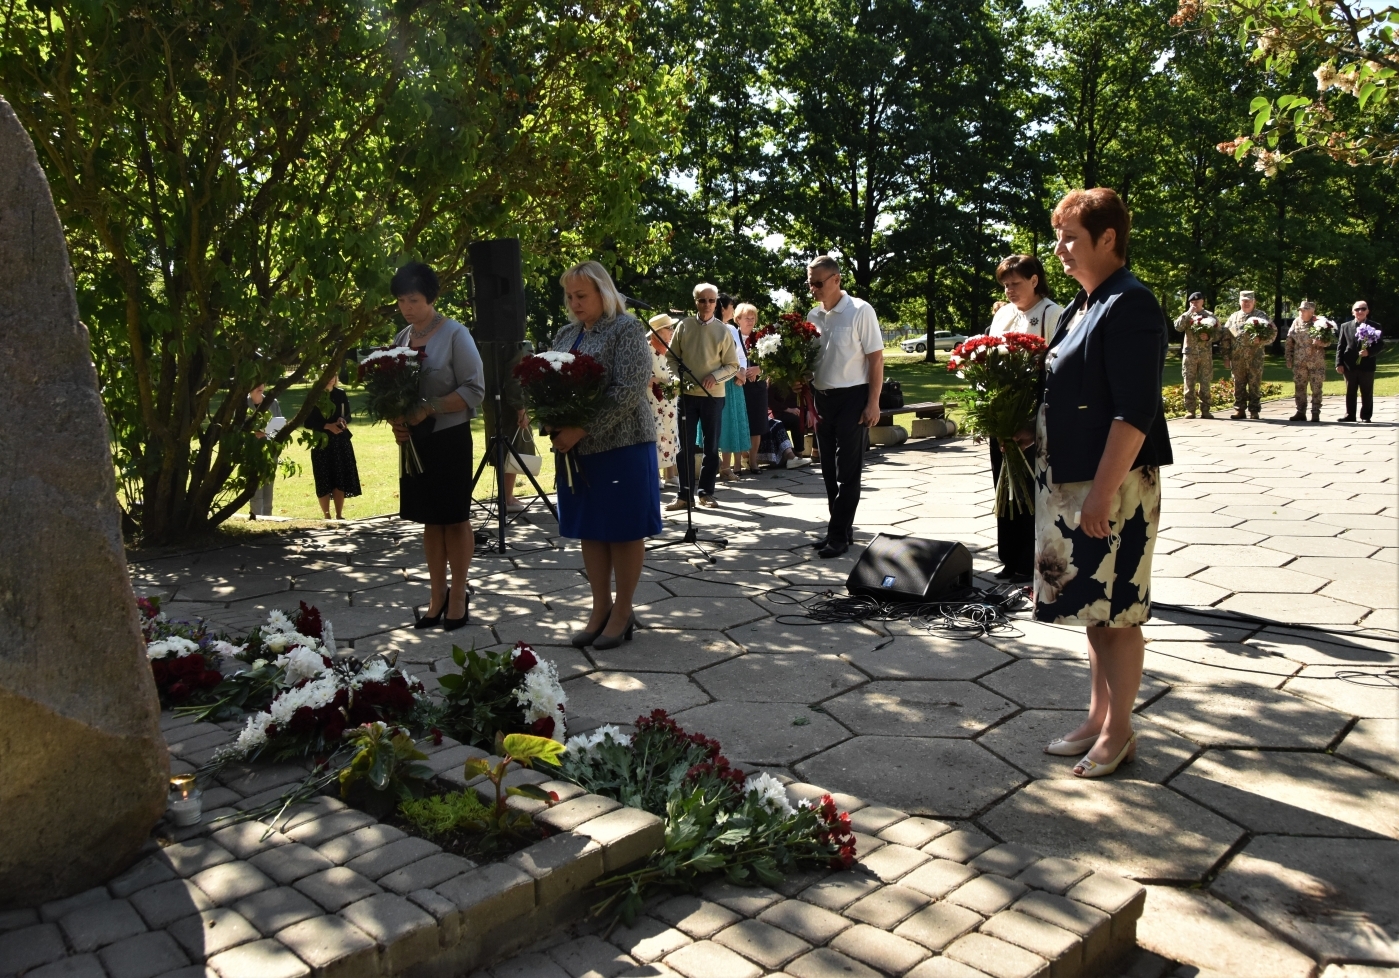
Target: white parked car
<point>942,340</point>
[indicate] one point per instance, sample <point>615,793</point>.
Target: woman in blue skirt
<point>614,503</point>
<point>733,433</point>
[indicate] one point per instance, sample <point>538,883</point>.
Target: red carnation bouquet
<point>390,375</point>
<point>1003,372</point>
<point>786,350</point>
<point>565,390</point>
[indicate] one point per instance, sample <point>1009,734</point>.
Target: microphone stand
<point>495,455</point>
<point>687,457</point>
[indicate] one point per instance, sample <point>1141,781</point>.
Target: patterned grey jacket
<point>618,343</point>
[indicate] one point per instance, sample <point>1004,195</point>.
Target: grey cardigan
<point>453,366</point>
<point>618,343</point>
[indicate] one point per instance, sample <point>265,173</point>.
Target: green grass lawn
<point>377,453</point>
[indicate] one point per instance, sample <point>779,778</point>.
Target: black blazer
<point>1348,350</point>
<point>1108,367</point>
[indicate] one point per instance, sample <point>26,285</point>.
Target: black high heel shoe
<point>612,641</point>
<point>452,624</point>
<point>431,621</point>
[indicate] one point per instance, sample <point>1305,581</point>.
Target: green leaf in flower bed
<point>491,696</point>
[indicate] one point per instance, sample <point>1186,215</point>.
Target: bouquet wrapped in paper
<point>564,390</point>
<point>1003,374</point>
<point>390,376</point>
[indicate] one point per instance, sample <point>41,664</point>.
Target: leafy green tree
<point>238,181</point>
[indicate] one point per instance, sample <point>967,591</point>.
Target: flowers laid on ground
<point>506,692</point>
<point>1321,330</point>
<point>1221,392</point>
<point>390,376</point>
<point>1367,336</point>
<point>1257,328</point>
<point>1003,374</point>
<point>564,390</point>
<point>717,819</point>
<point>786,349</point>
<point>184,656</point>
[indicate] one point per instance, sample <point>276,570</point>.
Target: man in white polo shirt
<point>848,377</point>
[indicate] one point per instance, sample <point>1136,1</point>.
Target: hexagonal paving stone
<point>760,678</point>
<point>243,615</point>
<point>533,581</point>
<point>699,612</point>
<point>923,776</point>
<point>1029,639</point>
<point>1185,591</point>
<point>1372,743</point>
<point>1279,580</point>
<point>1224,555</point>
<point>1245,716</point>
<point>348,579</point>
<point>1311,609</point>
<point>767,735</point>
<point>1021,741</point>
<point>1318,547</point>
<point>1377,593</point>
<point>1209,663</point>
<point>1054,684</point>
<point>919,708</point>
<point>775,636</point>
<point>1140,830</point>
<point>667,650</point>
<point>1198,929</point>
<point>1363,691</point>
<point>1334,898</point>
<point>619,697</point>
<point>422,645</point>
<point>1287,793</point>
<point>925,656</point>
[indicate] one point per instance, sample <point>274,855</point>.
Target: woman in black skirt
<point>451,386</point>
<point>333,465</point>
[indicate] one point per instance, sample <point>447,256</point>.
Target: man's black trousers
<point>1361,382</point>
<point>709,410</point>
<point>842,440</point>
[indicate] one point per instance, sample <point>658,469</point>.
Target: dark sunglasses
<point>819,285</point>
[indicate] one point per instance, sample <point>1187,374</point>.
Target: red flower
<point>308,621</point>
<point>526,660</point>
<point>436,737</point>
<point>543,727</point>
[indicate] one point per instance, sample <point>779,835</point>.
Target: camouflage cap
<point>1306,304</point>
<point>1247,294</point>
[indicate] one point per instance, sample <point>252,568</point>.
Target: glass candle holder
<point>186,800</point>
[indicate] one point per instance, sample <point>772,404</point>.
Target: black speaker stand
<point>496,449</point>
<point>687,457</point>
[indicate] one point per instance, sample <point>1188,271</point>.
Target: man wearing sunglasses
<point>1355,361</point>
<point>848,377</point>
<point>707,348</point>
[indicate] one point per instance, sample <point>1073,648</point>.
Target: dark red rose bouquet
<point>390,376</point>
<point>506,692</point>
<point>564,390</point>
<point>786,350</point>
<point>1003,373</point>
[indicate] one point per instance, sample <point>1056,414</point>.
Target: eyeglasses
<point>702,301</point>
<point>1361,309</point>
<point>816,286</point>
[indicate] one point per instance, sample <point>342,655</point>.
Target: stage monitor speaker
<point>898,569</point>
<point>498,291</point>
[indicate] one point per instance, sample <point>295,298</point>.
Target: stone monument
<point>83,768</point>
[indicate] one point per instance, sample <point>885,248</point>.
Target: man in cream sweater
<point>706,347</point>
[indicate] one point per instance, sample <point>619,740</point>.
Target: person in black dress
<point>333,464</point>
<point>451,386</point>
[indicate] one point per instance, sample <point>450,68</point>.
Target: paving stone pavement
<point>1261,813</point>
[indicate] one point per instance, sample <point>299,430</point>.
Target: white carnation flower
<point>584,743</point>
<point>277,621</point>
<point>226,648</point>
<point>375,671</point>
<point>174,644</point>
<point>768,345</point>
<point>301,663</point>
<point>542,696</point>
<point>771,794</point>
<point>393,351</point>
<point>556,358</point>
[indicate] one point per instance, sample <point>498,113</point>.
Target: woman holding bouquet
<point>451,386</point>
<point>1101,437</point>
<point>614,503</point>
<point>733,433</point>
<point>755,389</point>
<point>1028,309</point>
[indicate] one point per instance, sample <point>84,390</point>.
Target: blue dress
<point>615,496</point>
<point>733,434</point>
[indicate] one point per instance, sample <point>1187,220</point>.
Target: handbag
<point>533,463</point>
<point>891,395</point>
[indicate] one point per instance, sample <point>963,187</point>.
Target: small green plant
<point>511,691</point>
<point>441,815</point>
<point>524,750</point>
<point>386,758</point>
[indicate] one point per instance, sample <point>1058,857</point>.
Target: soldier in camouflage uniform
<point>1243,354</point>
<point>1197,354</point>
<point>1306,355</point>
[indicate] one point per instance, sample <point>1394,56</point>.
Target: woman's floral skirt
<point>1080,580</point>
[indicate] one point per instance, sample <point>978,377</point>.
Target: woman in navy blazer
<point>1101,435</point>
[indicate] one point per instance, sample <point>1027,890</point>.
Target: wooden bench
<point>924,409</point>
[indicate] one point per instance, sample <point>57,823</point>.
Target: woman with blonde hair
<point>663,406</point>
<point>755,389</point>
<point>614,503</point>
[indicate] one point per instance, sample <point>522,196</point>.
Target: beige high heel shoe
<point>1087,768</point>
<point>1070,748</point>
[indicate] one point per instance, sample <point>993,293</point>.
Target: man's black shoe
<point>834,548</point>
<point>1021,578</point>
<point>1347,419</point>
<point>1004,574</point>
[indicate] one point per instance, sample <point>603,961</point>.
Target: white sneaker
<point>514,506</point>
<point>797,462</point>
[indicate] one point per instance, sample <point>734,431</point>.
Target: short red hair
<point>1097,210</point>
